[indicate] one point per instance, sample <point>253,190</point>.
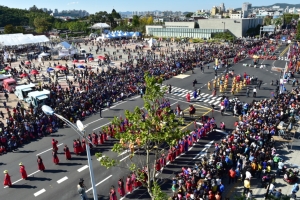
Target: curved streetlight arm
<point>80,133</point>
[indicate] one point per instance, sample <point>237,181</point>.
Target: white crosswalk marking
<point>211,101</point>
<point>204,97</point>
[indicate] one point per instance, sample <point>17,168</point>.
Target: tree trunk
<point>149,172</point>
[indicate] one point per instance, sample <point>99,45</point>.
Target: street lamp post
<point>224,27</point>
<point>79,129</point>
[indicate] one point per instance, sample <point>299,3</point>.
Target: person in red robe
<point>128,184</point>
<point>162,160</point>
<point>7,181</point>
<point>157,166</point>
<point>188,97</point>
<point>94,139</point>
<point>83,145</point>
<point>80,149</point>
<point>67,152</point>
<point>54,144</point>
<point>112,193</point>
<point>41,166</point>
<point>75,146</point>
<point>121,188</point>
<point>23,171</point>
<point>55,157</point>
<point>100,138</point>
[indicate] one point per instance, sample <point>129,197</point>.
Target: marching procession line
<point>39,192</point>
<point>62,180</point>
<point>22,179</point>
<point>48,150</point>
<point>100,182</point>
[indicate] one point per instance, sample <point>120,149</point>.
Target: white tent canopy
<point>21,39</point>
<point>63,45</point>
<point>100,26</point>
<point>152,42</point>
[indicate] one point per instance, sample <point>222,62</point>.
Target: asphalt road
<point>59,181</point>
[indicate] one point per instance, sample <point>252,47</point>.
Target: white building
<point>246,6</point>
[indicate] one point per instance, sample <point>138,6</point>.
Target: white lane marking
<point>206,100</point>
<point>126,151</point>
<point>100,182</point>
<point>82,168</point>
<point>22,179</point>
<point>101,126</point>
<point>95,120</point>
<point>39,192</point>
<point>62,180</point>
<point>124,158</point>
<point>48,150</point>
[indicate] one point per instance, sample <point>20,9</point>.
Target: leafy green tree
<point>135,20</point>
<point>42,25</point>
<point>20,29</point>
<point>298,32</point>
<point>189,15</point>
<point>151,132</point>
<point>8,29</point>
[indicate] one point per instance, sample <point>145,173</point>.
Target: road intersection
<point>59,181</point>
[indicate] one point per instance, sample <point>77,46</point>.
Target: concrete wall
<point>237,27</point>
<point>149,26</point>
<point>180,24</point>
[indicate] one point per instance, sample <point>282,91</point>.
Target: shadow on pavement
<point>24,186</point>
<point>54,171</point>
<point>38,179</point>
<point>69,164</point>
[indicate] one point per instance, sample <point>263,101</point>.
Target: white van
<point>4,76</point>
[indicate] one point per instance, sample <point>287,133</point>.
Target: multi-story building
<point>222,7</point>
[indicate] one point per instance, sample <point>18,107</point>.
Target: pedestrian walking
<point>81,189</point>
<point>6,96</point>
<point>67,152</point>
<point>23,171</point>
<point>41,166</point>
<point>7,181</point>
<point>55,157</point>
<point>100,111</point>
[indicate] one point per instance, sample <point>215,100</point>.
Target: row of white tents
<point>21,39</point>
<point>118,35</point>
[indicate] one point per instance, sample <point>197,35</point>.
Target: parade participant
<point>75,146</point>
<point>55,157</point>
<point>214,92</point>
<point>54,144</point>
<point>67,152</point>
<point>41,166</point>
<point>83,144</point>
<point>100,138</point>
<point>7,181</point>
<point>195,94</point>
<point>188,97</point>
<point>80,148</point>
<point>23,171</point>
<point>112,193</point>
<point>209,85</point>
<point>94,139</point>
<point>128,184</point>
<point>121,188</point>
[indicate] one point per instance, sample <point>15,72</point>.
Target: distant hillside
<point>281,5</point>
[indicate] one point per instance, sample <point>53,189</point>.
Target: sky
<point>93,6</point>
